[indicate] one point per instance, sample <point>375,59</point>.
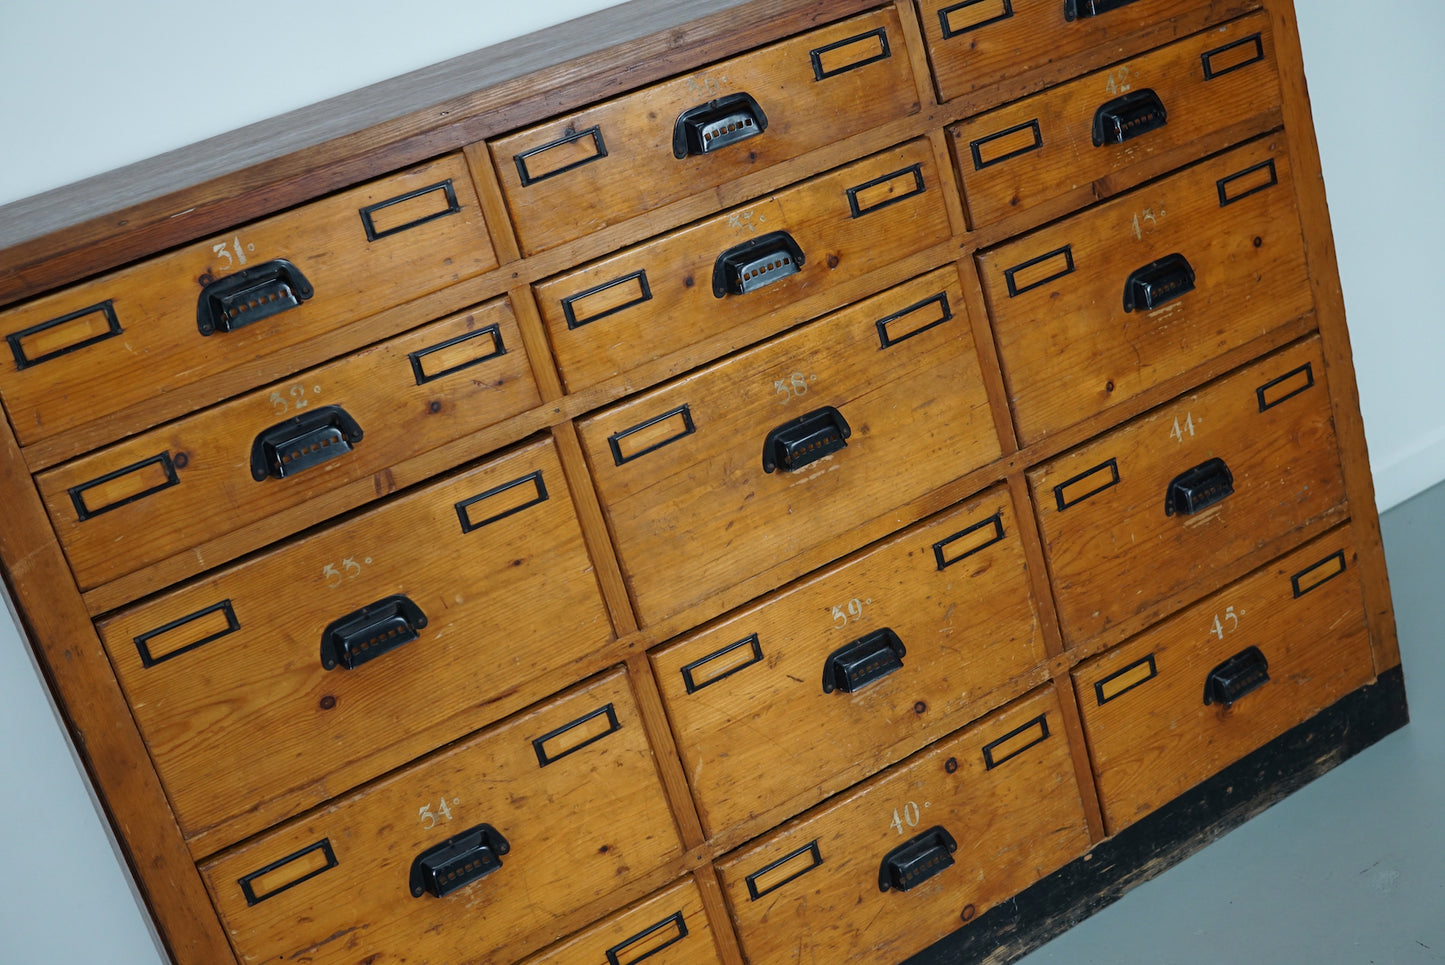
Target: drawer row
<point>446,607</point>
<point>187,329</point>
<point>1086,313</point>
<point>526,831</point>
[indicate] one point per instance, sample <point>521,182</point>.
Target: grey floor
<point>1351,869</point>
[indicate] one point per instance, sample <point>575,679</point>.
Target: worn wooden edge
<point>1196,818</point>
<point>261,168</point>
<point>1334,334</point>
<point>105,735</point>
<point>729,950</point>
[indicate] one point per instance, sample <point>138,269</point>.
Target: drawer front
<point>271,685</point>
<point>1088,129</point>
<point>616,160</point>
<point>1153,509</point>
<point>862,664</point>
<point>97,348</point>
<point>1003,790</point>
<point>1194,694</point>
<point>670,928</point>
<point>155,495</point>
<point>881,403</point>
<point>1070,302</point>
<point>564,807</point>
<point>667,294</point>
<point>977,43</point>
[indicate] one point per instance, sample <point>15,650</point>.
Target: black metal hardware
<point>751,265</point>
<point>852,667</point>
<point>251,295</point>
<point>916,860</point>
<point>806,439</point>
<point>716,124</point>
<point>303,441</point>
<point>1158,283</point>
<point>458,861</point>
<point>1126,117</point>
<point>1078,9</point>
<point>1198,488</point>
<point>1243,673</point>
<point>370,632</point>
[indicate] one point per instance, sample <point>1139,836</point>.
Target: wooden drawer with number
<point>885,870</point>
<point>1095,309</point>
<point>485,852</point>
<point>1189,697</point>
<point>670,928</point>
<point>737,468</point>
<point>607,163</point>
<point>271,685</point>
<point>1161,506</point>
<point>978,43</point>
<point>1135,117</point>
<point>702,281</point>
<point>862,664</point>
<point>155,495</point>
<point>93,351</point>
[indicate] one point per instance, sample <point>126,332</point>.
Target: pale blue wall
<point>90,86</point>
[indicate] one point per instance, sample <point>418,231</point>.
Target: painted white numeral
<point>336,574</point>
<point>1118,82</point>
<point>793,387</point>
<point>1147,218</point>
<point>429,818</point>
<point>850,612</point>
<point>1229,620</point>
<point>1182,429</point>
<point>908,816</point>
<point>296,397</point>
<point>233,251</point>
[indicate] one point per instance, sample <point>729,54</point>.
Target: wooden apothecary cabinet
<point>795,459</point>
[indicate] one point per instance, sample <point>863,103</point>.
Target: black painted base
<point>1161,840</point>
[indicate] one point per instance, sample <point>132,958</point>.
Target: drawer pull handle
<point>751,265</point>
<point>854,666</point>
<point>458,861</point>
<point>251,295</point>
<point>1158,283</point>
<point>1199,488</point>
<point>716,124</point>
<point>1124,118</point>
<point>1243,673</point>
<point>302,442</point>
<point>366,634</point>
<point>806,439</point>
<point>916,860</point>
<point>1079,9</point>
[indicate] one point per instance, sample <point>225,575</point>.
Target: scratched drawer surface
<point>483,853</point>
<point>268,686</point>
<point>976,43</point>
<point>610,162</point>
<point>1143,519</point>
<point>883,871</point>
<point>1144,109</point>
<point>862,664</point>
<point>155,495</point>
<point>735,469</point>
<point>1194,694</point>
<point>624,310</point>
<point>669,928</point>
<point>104,346</point>
<point>1096,309</point>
